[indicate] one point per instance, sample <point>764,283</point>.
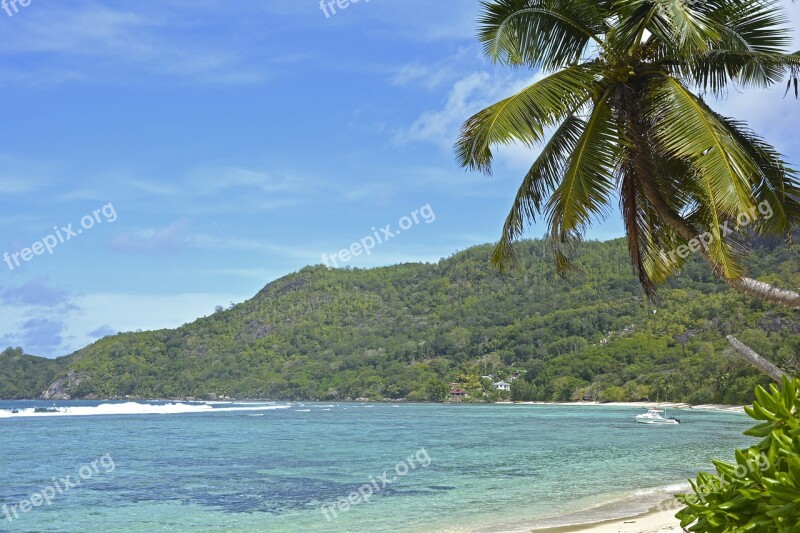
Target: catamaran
<point>653,416</point>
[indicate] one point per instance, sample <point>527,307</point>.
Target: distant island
<point>450,331</point>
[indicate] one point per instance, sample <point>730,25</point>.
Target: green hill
<point>406,331</point>
<point>25,376</point>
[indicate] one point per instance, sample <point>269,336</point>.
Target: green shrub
<point>761,491</point>
<point>701,397</point>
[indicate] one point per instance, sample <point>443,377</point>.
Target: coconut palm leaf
<point>691,30</point>
<point>633,19</point>
<point>524,116</point>
<point>539,183</point>
<point>715,70</point>
<point>756,26</point>
<point>777,193</point>
<point>627,124</point>
<point>587,186</point>
<point>546,34</point>
<point>684,127</point>
<point>651,243</point>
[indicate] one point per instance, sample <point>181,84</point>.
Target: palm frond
<point>750,47</point>
<point>684,127</point>
<point>586,188</point>
<point>651,243</point>
<point>777,192</point>
<point>714,70</point>
<point>632,20</point>
<point>691,30</point>
<point>546,34</point>
<point>524,116</point>
<point>539,183</point>
<point>755,26</point>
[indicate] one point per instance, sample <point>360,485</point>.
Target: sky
<point>161,158</point>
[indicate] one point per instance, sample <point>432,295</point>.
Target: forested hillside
<point>24,376</point>
<point>406,331</point>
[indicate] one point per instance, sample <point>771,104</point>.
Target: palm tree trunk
<point>757,361</point>
<point>645,166</point>
<point>766,292</point>
<point>749,286</point>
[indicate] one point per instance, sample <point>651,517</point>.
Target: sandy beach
<point>652,522</point>
<point>644,405</point>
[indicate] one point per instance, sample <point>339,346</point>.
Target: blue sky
<point>215,146</point>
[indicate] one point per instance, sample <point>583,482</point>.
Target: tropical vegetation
<point>620,113</point>
<point>409,331</point>
<point>760,491</point>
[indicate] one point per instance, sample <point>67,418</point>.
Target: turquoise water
<point>271,466</point>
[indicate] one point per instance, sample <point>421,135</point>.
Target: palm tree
<point>620,113</point>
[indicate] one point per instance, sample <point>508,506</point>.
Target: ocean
<point>342,467</point>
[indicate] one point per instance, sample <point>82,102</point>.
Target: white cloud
<point>55,330</point>
<point>21,177</point>
<point>13,185</point>
<point>100,38</point>
<point>217,242</point>
<point>431,75</point>
<point>152,189</point>
<point>210,180</point>
<point>766,110</point>
<point>468,96</point>
<point>440,126</point>
<point>167,239</point>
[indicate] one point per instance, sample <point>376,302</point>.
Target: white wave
<point>134,408</point>
<point>667,489</point>
<point>303,410</point>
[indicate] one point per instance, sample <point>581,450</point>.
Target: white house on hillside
<point>502,386</point>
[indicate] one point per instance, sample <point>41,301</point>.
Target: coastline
<point>614,516</point>
<point>643,405</point>
<point>655,521</point>
<point>227,399</point>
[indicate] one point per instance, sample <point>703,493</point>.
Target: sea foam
<point>136,408</point>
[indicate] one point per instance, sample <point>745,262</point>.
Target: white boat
<point>653,416</point>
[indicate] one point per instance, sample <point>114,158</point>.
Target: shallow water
<point>271,466</point>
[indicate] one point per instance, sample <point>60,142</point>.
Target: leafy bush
<point>761,492</point>
<point>701,397</point>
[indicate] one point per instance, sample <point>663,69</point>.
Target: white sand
<point>644,405</point>
<point>656,522</point>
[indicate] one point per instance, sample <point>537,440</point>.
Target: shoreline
<point>644,405</point>
<point>654,521</point>
<point>640,404</point>
<point>613,516</point>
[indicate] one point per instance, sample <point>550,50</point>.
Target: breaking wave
<point>136,408</point>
